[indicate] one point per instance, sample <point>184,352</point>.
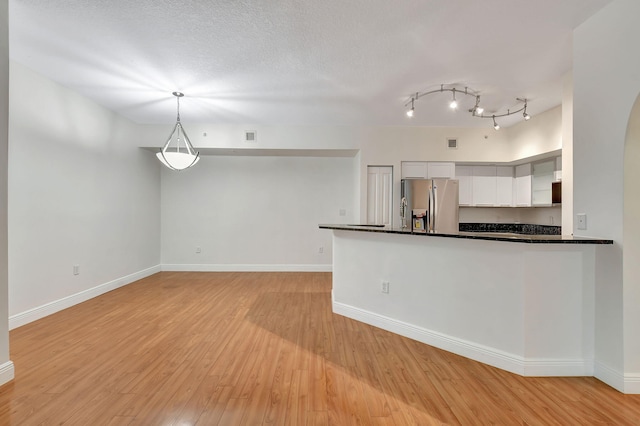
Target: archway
<point>631,248</point>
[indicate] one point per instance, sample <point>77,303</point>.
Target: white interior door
<point>379,195</point>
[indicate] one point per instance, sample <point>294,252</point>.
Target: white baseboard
<point>557,367</point>
<point>7,372</point>
<point>34,314</point>
<point>247,267</point>
<point>487,355</point>
<point>610,376</point>
<point>632,384</point>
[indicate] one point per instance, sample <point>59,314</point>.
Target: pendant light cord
<point>178,95</point>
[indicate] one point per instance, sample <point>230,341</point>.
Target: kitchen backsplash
<point>550,216</point>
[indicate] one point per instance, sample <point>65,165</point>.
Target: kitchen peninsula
<point>526,308</point>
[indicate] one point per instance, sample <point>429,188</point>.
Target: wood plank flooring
<point>265,349</point>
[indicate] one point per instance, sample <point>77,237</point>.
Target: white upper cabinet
<point>441,170</point>
<point>428,170</point>
<point>557,175</point>
<point>414,170</point>
<point>542,177</point>
<point>523,185</point>
<point>504,186</point>
<point>464,174</point>
<point>484,185</point>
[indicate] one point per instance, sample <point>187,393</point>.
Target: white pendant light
<point>181,155</point>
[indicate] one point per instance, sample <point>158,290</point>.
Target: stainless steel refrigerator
<point>429,205</point>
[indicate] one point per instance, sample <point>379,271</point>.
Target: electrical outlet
<point>385,287</point>
<point>342,212</point>
<point>198,250</point>
<point>320,250</point>
<point>582,220</point>
<point>76,269</point>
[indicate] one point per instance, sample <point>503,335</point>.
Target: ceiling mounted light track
<point>477,111</point>
<point>181,155</point>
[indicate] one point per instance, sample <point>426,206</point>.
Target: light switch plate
<point>582,220</point>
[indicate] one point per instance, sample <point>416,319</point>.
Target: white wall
<point>6,367</point>
<point>567,154</point>
<point>541,134</point>
<point>80,193</point>
<point>255,213</point>
<point>268,137</point>
<point>606,84</point>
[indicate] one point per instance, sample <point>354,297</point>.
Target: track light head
<point>477,110</point>
<point>453,104</point>
<point>526,116</point>
<point>495,124</point>
<point>410,112</point>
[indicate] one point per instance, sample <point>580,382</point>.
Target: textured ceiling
<point>300,62</point>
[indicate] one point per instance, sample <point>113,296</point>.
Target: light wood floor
<point>263,349</point>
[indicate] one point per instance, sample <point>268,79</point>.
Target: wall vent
<point>250,136</point>
<point>452,143</point>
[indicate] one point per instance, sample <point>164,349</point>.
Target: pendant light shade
<point>178,155</point>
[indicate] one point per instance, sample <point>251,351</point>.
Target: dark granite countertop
<point>491,236</point>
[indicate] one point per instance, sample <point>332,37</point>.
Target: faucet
<point>403,207</point>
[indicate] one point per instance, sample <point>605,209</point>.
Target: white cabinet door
<point>523,191</point>
<point>504,186</point>
<point>541,182</point>
<point>379,195</point>
<point>414,170</point>
<point>441,170</point>
<point>464,174</point>
<point>484,185</point>
<point>523,185</point>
